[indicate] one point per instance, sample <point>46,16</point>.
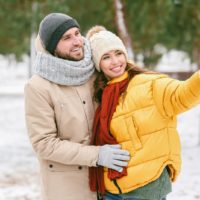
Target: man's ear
<point>39,45</point>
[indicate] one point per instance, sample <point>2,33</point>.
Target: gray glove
<point>113,157</point>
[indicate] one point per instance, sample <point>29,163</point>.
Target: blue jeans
<point>110,196</point>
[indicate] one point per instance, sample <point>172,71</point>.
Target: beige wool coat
<point>59,122</point>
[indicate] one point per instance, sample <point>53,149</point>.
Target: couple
<point>102,127</point>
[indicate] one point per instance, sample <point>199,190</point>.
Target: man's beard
<point>68,57</point>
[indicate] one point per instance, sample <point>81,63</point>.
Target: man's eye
<point>66,38</point>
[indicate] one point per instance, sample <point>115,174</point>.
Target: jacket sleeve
<point>173,96</point>
<point>41,126</point>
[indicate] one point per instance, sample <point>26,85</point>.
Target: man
<point>59,112</point>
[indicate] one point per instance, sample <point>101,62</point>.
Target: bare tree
<point>122,27</point>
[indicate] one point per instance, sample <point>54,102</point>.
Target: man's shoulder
<point>41,83</point>
<point>36,78</point>
<point>38,82</point>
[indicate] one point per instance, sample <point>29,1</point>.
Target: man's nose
<point>76,41</point>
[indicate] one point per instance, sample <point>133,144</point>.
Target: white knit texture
<point>103,42</point>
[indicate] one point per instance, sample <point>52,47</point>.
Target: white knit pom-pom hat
<point>102,41</point>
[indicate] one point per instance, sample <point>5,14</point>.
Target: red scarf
<point>102,135</point>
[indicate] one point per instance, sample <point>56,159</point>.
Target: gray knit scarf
<point>65,72</point>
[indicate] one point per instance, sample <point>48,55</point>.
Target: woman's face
<point>113,64</point>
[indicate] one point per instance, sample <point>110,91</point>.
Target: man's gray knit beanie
<point>52,27</point>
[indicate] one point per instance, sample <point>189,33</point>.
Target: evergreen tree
<point>171,23</point>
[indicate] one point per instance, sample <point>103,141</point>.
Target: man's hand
<point>113,157</point>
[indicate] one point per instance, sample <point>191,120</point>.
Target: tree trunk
<point>122,27</point>
<point>196,56</point>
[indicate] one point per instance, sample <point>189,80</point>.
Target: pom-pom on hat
<point>103,41</point>
<point>52,28</point>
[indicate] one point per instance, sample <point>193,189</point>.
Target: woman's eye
<point>106,57</point>
<point>119,53</point>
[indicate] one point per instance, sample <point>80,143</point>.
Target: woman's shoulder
<point>146,77</point>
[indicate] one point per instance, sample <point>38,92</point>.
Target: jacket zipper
<point>116,184</point>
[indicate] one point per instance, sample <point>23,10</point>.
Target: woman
<point>138,110</point>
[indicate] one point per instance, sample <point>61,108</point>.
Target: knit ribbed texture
<point>103,42</point>
<point>52,27</point>
<point>65,72</point>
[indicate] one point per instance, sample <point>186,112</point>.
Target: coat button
<point>84,102</point>
<point>79,167</point>
<point>51,166</point>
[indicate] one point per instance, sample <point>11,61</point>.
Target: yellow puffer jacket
<point>144,123</point>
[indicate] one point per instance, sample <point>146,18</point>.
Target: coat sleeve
<point>41,126</point>
<point>173,96</point>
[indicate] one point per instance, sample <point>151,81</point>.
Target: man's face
<point>70,46</point>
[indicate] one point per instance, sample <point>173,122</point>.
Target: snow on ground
<point>174,61</point>
<point>19,178</point>
<point>19,170</point>
<point>187,186</point>
<point>13,74</point>
<point>18,166</point>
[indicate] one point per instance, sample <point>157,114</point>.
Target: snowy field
<point>19,178</point>
<point>18,166</point>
